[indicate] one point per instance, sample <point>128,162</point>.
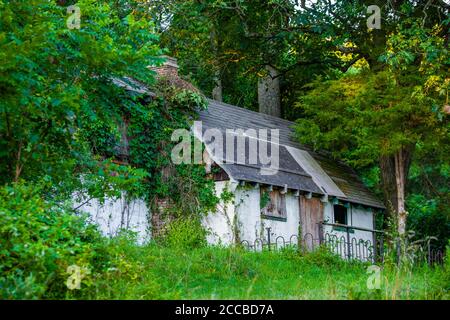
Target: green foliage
<point>218,41</point>
<point>61,114</point>
<point>367,116</point>
<point>447,265</point>
<point>429,199</point>
<point>324,258</point>
<point>373,115</point>
<point>38,241</point>
<point>185,234</point>
<point>232,41</point>
<point>428,219</point>
<point>57,81</point>
<point>150,128</point>
<point>265,199</point>
<point>229,273</point>
<point>124,276</point>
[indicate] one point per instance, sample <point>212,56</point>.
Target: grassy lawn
<point>153,272</point>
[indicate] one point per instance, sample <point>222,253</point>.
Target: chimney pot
<point>168,69</point>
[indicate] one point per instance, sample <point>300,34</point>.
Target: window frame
<point>277,200</point>
<point>346,214</point>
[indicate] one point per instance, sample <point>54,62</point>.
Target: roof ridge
<point>251,111</point>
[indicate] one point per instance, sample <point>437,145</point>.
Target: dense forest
<point>373,95</point>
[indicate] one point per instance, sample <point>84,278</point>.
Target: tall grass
<point>155,272</point>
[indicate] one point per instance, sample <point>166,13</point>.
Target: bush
<point>38,242</point>
<point>324,257</point>
<point>429,218</point>
<point>185,233</point>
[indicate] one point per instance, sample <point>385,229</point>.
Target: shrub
<point>324,257</point>
<point>185,233</point>
<point>38,242</point>
<point>429,218</point>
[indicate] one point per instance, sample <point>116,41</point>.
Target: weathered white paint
<point>116,214</point>
<point>241,220</point>
<point>234,221</point>
<point>362,218</point>
<point>248,213</point>
<point>220,223</point>
<point>357,217</point>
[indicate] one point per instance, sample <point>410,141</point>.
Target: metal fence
<point>352,242</point>
<point>367,245</point>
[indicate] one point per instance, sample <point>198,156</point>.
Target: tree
<point>381,116</point>
<point>235,40</point>
<point>55,81</point>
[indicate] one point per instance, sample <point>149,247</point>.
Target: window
<point>340,214</point>
<point>273,204</point>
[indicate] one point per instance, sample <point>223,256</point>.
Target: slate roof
<point>132,85</point>
<point>300,167</point>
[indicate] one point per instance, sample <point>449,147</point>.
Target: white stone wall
<point>233,221</point>
<point>116,214</point>
<point>357,217</point>
<point>220,223</point>
<point>242,220</point>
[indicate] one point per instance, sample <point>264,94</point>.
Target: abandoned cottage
<point>308,196</point>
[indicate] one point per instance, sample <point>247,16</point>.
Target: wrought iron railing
<point>368,245</point>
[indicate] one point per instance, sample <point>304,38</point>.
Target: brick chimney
<point>169,69</point>
<point>168,73</point>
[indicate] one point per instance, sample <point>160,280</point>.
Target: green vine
<point>149,127</point>
<point>265,199</point>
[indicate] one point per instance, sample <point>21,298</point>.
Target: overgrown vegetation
<point>40,243</point>
<point>227,273</point>
<point>388,117</point>
<point>67,130</point>
<point>69,133</point>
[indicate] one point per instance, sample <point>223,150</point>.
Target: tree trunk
<point>19,166</point>
<point>400,184</point>
<point>269,97</point>
<point>218,89</point>
<point>387,166</point>
<point>394,173</point>
<point>217,92</point>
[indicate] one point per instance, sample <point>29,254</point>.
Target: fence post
<point>320,226</point>
<point>349,255</point>
<point>268,237</point>
<point>375,247</point>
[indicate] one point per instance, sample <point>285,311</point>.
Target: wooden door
<point>311,213</point>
